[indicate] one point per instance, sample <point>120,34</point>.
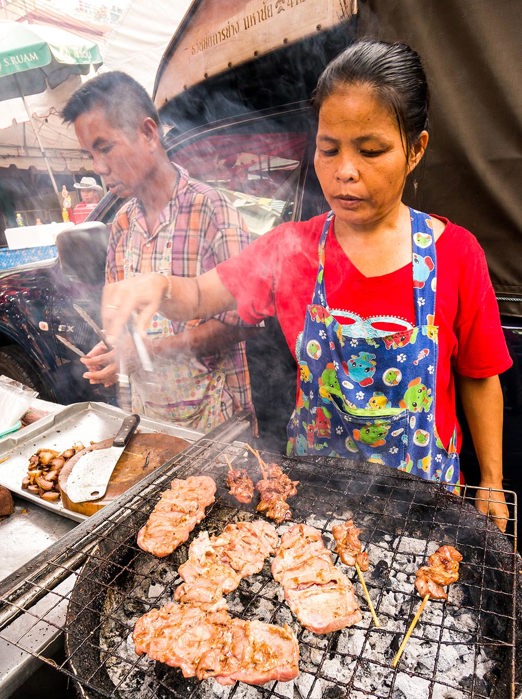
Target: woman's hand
<point>490,500</point>
<point>143,293</point>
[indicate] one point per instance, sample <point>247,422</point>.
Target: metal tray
<point>79,422</point>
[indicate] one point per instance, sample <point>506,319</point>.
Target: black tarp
<point>472,173</point>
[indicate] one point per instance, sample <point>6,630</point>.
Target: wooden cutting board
<point>143,454</point>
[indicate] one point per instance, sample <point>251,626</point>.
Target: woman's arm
<point>180,298</point>
<point>483,405</point>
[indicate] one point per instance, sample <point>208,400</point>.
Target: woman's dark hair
<point>123,99</point>
<point>395,73</point>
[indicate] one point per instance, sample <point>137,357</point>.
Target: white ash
<point>411,686</point>
<point>308,686</point>
<point>438,661</point>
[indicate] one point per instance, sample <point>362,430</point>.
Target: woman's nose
<point>347,171</point>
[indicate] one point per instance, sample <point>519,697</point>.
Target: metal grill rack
<point>106,582</point>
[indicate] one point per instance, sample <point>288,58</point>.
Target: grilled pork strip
<point>216,564</point>
<point>176,514</point>
<point>274,489</point>
<point>442,569</point>
<point>348,545</point>
<point>213,644</point>
<point>320,595</point>
<point>240,485</point>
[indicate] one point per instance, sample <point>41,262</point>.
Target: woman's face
<point>360,158</point>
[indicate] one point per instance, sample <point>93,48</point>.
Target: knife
<point>70,345</point>
<point>91,474</point>
<point>87,318</point>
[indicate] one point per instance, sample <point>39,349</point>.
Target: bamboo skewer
<point>262,464</point>
<point>367,595</point>
<point>410,630</point>
<point>229,463</point>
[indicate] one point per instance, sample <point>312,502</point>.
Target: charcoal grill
<point>466,647</point>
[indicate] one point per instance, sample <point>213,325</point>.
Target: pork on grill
<point>274,489</point>
<point>216,564</point>
<point>442,569</point>
<point>320,595</point>
<point>240,485</point>
<point>206,643</point>
<point>348,545</point>
<point>176,514</point>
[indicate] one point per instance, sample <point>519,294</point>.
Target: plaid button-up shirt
<point>197,229</point>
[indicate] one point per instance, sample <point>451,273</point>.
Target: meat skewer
<point>349,548</point>
<point>239,483</point>
<point>442,569</point>
<point>274,488</point>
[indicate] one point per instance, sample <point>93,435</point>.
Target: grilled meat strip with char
<point>216,564</point>
<point>442,569</point>
<point>348,545</point>
<point>176,514</point>
<point>320,595</point>
<point>240,485</point>
<point>274,489</point>
<point>213,644</point>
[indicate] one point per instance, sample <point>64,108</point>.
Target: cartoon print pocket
<point>376,436</point>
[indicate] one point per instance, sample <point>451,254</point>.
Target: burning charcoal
<point>134,607</point>
<point>380,571</point>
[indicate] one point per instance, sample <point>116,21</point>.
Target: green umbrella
<point>34,57</point>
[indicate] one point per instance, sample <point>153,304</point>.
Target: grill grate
<point>465,647</point>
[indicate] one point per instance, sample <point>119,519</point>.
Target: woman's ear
<point>418,150</point>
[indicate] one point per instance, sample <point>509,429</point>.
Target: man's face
<point>122,157</point>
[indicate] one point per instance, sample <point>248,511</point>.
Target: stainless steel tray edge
<point>51,427</point>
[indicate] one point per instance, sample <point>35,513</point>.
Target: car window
<point>257,172</point>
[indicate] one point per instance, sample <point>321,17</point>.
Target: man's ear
<point>150,129</point>
<point>418,150</point>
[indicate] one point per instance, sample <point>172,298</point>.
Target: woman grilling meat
<point>386,309</point>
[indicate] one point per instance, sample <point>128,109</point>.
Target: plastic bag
<point>15,399</point>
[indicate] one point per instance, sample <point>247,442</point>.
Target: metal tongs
<point>141,350</point>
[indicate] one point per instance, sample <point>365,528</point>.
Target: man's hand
<point>492,503</point>
<point>101,366</point>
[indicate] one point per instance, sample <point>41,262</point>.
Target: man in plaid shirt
<point>172,225</point>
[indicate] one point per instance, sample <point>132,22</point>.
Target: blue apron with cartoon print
<point>365,392</point>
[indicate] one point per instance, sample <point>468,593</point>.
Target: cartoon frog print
<point>329,383</point>
<point>320,315</point>
<point>361,368</point>
<point>424,464</point>
<point>423,240</point>
<point>322,423</point>
<point>401,339</point>
<point>313,349</point>
<point>422,267</point>
<point>378,401</point>
<point>417,397</point>
<point>304,372</point>
<point>373,434</point>
<point>392,377</point>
